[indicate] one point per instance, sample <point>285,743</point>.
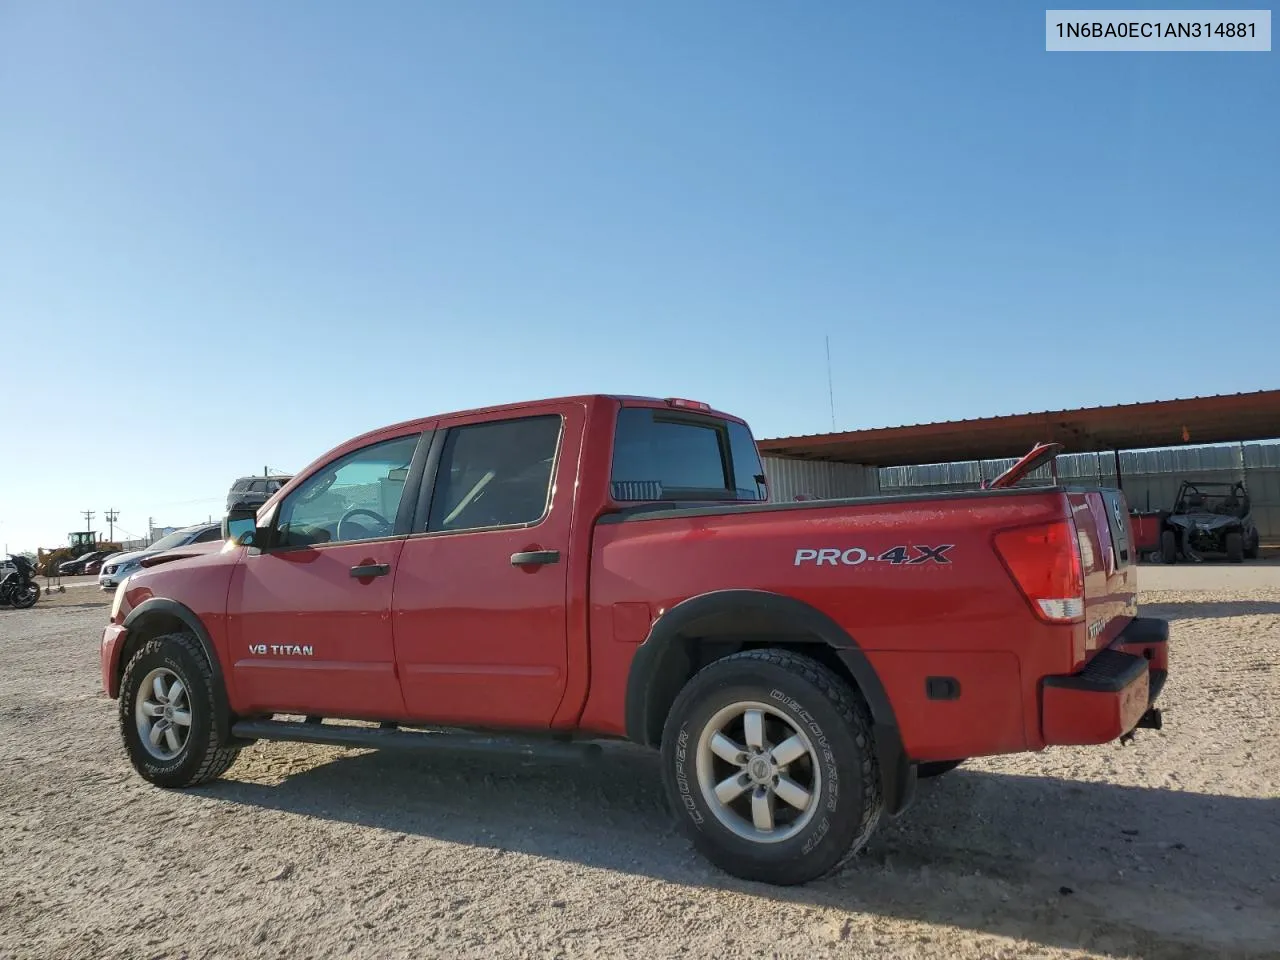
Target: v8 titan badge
<point>913,555</point>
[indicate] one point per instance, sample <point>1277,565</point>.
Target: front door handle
<point>530,558</point>
<point>370,570</point>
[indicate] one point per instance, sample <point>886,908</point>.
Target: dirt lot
<point>1169,847</point>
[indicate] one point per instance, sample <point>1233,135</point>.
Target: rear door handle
<point>529,558</point>
<point>370,570</point>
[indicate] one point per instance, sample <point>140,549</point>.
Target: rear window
<point>662,455</point>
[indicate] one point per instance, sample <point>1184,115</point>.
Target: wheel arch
<point>708,627</point>
<point>158,616</point>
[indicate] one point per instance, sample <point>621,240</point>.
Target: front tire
<point>1169,546</point>
<point>769,763</point>
<point>1251,549</point>
<point>1235,547</point>
<point>167,714</point>
<point>26,596</point>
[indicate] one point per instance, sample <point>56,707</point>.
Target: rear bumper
<point>113,639</point>
<point>1111,694</point>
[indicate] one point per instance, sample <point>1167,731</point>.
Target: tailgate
<point>1109,560</point>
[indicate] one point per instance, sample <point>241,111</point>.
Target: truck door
<point>480,590</point>
<point>311,623</point>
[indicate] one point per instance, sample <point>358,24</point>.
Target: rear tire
<point>1235,547</point>
<point>935,768</point>
<point>26,596</point>
<point>769,763</point>
<point>185,750</point>
<point>1169,546</point>
<point>1251,549</point>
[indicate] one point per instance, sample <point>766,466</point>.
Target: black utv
<point>1209,518</point>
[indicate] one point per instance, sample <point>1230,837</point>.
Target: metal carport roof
<point>1232,418</point>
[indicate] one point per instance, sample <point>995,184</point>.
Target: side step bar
<point>395,738</point>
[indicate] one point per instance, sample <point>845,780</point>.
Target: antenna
<point>831,394</point>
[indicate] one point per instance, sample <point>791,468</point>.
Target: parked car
<point>254,491</point>
<point>123,565</point>
<point>548,574</point>
<point>1210,517</point>
<point>95,566</point>
<point>73,568</point>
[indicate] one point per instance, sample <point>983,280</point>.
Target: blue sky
<point>235,234</point>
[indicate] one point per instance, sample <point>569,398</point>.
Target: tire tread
<point>853,711</point>
<point>217,758</point>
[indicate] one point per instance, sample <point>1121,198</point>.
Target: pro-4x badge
<point>913,555</point>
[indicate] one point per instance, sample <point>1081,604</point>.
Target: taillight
<point>1044,561</point>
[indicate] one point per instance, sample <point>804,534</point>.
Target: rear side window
<point>660,455</point>
<point>213,533</point>
<point>495,474</point>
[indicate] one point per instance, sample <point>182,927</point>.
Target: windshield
<point>667,455</point>
<point>176,539</point>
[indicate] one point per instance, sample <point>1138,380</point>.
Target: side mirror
<point>240,524</point>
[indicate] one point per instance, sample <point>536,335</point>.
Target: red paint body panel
<point>481,642</point>
<point>457,635</point>
<point>987,718</point>
<point>307,598</point>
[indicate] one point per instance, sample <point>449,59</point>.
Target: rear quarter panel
<point>963,618</point>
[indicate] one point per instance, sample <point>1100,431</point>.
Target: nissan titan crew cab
<point>547,575</point>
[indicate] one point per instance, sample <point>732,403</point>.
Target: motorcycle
<point>19,588</point>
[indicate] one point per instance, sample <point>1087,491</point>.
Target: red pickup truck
<point>542,576</point>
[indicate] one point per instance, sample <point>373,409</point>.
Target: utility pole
<point>112,516</point>
<point>151,525</point>
<point>88,518</point>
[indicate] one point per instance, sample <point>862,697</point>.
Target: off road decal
<point>912,555</point>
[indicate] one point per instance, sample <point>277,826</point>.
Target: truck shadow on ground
<point>1114,869</point>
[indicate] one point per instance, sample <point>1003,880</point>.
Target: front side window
<point>495,474</point>
<point>213,533</point>
<point>354,498</point>
<point>660,455</point>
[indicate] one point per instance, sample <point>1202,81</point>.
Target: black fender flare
<point>164,607</point>
<point>663,663</point>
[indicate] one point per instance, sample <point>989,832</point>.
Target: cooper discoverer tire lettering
<point>167,714</point>
<point>769,764</point>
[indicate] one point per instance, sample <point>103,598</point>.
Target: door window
<point>208,536</point>
<point>495,474</point>
<point>354,498</point>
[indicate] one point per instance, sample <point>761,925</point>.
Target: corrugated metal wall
<point>1151,477</point>
<point>818,479</point>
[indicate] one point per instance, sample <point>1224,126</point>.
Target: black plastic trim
<point>942,688</point>
<point>163,605</point>
<point>532,558</point>
<point>1156,684</point>
<point>1110,671</point>
<point>395,737</point>
<point>1144,630</point>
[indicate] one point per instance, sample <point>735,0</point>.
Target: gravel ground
<point>1169,847</point>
